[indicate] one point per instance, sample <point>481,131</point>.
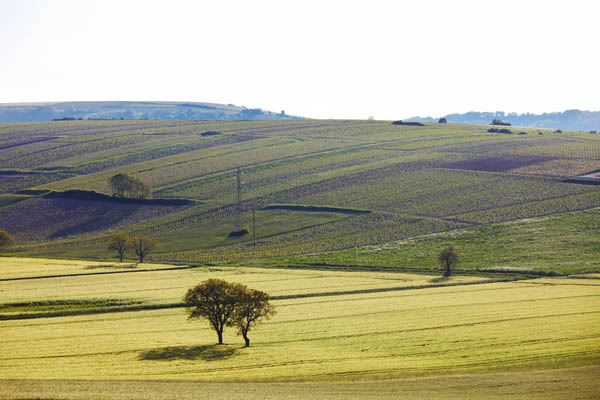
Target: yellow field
<point>403,331</point>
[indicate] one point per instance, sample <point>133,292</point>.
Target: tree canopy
<point>124,185</point>
<point>448,258</point>
<point>120,243</point>
<point>143,245</point>
<point>214,300</point>
<point>253,306</point>
<point>228,304</point>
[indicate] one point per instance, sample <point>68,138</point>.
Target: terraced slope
<point>413,180</point>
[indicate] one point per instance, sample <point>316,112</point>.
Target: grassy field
<point>414,180</point>
<point>330,326</point>
<point>564,244</point>
<point>577,383</point>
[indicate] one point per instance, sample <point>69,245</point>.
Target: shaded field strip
<point>526,202</point>
<point>97,273</point>
<point>173,185</point>
<point>509,275</point>
<point>42,139</point>
<point>548,384</point>
<point>149,307</point>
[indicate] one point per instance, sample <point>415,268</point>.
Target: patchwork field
<point>414,180</point>
<point>345,220</point>
<point>329,326</point>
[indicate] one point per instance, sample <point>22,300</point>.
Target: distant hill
<point>570,119</point>
<point>22,112</point>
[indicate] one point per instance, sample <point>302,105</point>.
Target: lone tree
<point>253,306</point>
<point>142,245</point>
<point>124,185</point>
<point>6,240</point>
<point>448,258</point>
<point>216,300</point>
<point>120,243</point>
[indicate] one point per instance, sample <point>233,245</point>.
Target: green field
<point>329,326</point>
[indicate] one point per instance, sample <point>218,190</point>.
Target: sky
<point>320,59</point>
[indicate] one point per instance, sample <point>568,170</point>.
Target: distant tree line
<point>500,122</point>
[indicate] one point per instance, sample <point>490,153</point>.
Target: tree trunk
<point>121,256</point>
<point>141,258</point>
<point>447,272</point>
<point>220,335</point>
<point>247,340</point>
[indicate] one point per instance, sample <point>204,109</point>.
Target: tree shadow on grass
<point>113,266</point>
<point>211,352</point>
<point>440,279</point>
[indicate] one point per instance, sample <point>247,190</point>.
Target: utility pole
<point>238,211</point>
<point>253,227</point>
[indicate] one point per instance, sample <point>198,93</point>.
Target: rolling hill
<point>345,219</point>
<point>570,119</point>
<point>403,181</point>
<point>22,112</point>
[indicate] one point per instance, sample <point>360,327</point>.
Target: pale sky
<point>321,59</point>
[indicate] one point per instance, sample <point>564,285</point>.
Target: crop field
<point>563,244</point>
<point>83,324</point>
<point>414,180</point>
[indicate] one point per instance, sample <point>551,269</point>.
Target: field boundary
<point>316,208</point>
<point>151,307</point>
<point>23,278</point>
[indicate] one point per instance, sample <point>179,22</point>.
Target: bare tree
<point>253,305</point>
<point>120,243</point>
<point>448,258</point>
<point>142,245</point>
<point>214,300</point>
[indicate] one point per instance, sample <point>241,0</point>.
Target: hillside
<point>570,119</point>
<point>22,112</point>
<point>344,184</point>
<point>344,223</point>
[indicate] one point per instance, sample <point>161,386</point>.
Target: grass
<point>564,244</point>
<point>468,329</point>
<point>541,385</point>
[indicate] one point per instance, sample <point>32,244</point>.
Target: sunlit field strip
<point>429,331</point>
<point>170,285</point>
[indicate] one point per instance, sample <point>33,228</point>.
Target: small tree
<point>253,306</point>
<point>124,185</point>
<point>448,258</point>
<point>120,243</point>
<point>6,240</point>
<point>142,245</point>
<point>215,300</point>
